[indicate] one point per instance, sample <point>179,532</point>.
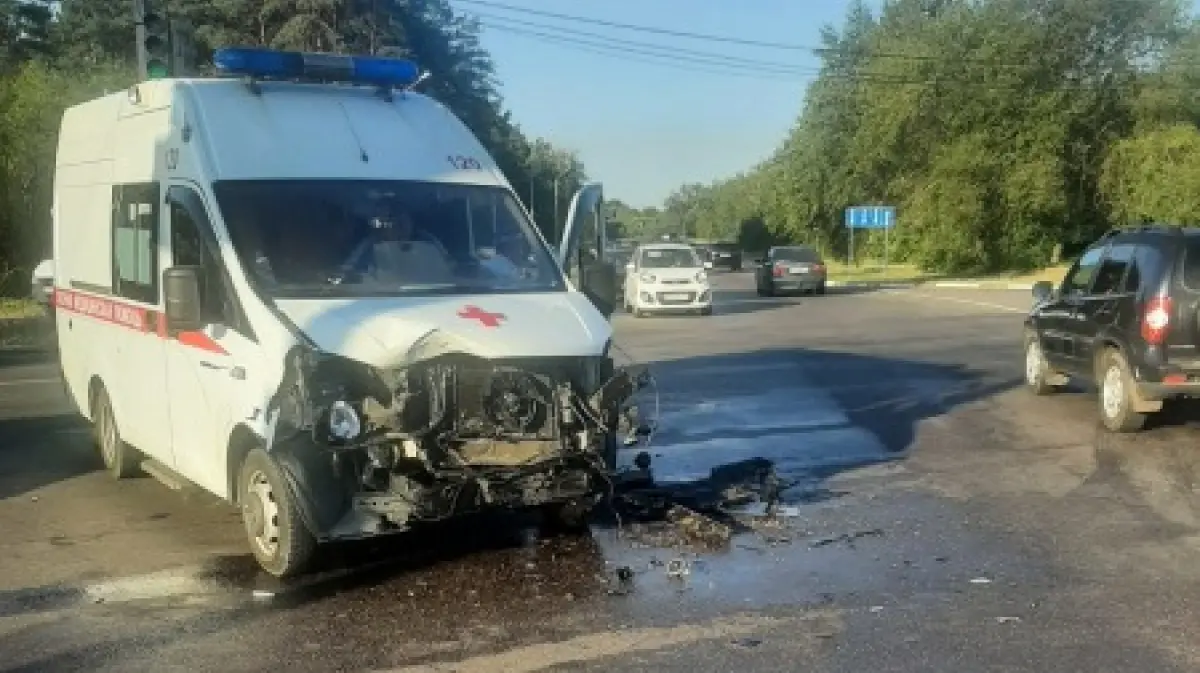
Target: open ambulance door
<point>583,251</point>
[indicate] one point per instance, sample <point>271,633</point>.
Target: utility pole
<point>139,22</point>
<point>183,48</point>
<point>533,206</point>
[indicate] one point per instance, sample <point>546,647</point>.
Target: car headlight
<point>344,424</point>
<point>701,277</point>
<point>649,278</point>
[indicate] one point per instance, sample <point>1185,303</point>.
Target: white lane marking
<point>598,646</point>
<point>959,300</point>
<point>959,284</point>
<point>162,584</point>
<point>26,382</point>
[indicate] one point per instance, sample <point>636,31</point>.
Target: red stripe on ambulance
<point>101,308</point>
<point>132,317</point>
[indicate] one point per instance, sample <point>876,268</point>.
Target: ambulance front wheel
<point>281,543</point>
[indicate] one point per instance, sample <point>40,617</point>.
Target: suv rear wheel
<point>1117,394</point>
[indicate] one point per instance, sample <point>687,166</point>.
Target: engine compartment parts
<point>375,450</point>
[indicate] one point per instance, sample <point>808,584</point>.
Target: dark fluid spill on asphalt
<point>495,566</point>
<point>499,567</point>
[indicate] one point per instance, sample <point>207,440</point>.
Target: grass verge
<point>23,324</point>
<point>870,272</point>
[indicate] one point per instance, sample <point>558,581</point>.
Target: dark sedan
<point>726,256</point>
<point>794,268</point>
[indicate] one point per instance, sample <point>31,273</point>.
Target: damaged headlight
<point>344,423</point>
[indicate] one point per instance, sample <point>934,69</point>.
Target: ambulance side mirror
<point>181,285</point>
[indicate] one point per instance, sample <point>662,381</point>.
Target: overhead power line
<point>718,65</point>
<point>710,66</point>
<point>715,63</point>
<point>715,38</point>
<point>491,19</point>
<point>505,22</point>
<point>645,29</point>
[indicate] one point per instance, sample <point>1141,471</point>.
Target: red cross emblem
<point>485,318</point>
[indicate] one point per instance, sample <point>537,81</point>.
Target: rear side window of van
<point>135,241</point>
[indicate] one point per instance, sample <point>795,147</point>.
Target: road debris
<point>638,496</point>
<point>847,538</point>
<point>678,568</point>
<point>698,527</point>
<point>702,514</point>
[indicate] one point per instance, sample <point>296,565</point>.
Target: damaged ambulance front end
<point>371,450</point>
<point>392,413</point>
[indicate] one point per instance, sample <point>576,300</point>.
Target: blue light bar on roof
<point>295,65</point>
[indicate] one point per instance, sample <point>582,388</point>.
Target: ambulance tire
<point>278,538</point>
<point>120,459</point>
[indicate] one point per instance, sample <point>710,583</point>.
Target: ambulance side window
<point>135,241</point>
<point>188,248</point>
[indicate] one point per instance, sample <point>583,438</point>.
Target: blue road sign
<point>871,217</point>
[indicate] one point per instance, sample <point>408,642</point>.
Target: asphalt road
<point>939,518</point>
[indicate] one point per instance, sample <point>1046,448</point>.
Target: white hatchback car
<point>666,278</point>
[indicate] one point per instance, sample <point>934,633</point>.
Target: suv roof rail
<point>1148,226</point>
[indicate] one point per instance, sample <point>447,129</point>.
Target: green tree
<point>988,123</point>
<point>1155,176</point>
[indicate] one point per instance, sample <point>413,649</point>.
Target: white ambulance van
<point>308,290</point>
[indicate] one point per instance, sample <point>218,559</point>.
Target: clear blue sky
<point>643,127</point>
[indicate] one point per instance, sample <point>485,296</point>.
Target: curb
<point>869,284</point>
<point>947,284</point>
<point>970,285</point>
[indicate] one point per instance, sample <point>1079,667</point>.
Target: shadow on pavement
<point>439,583</point>
<point>735,302</point>
<point>39,451</point>
<point>732,403</point>
<point>23,357</point>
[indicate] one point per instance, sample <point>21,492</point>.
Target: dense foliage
<point>49,60</point>
<point>1004,132</point>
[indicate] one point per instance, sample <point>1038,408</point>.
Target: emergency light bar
<point>294,65</point>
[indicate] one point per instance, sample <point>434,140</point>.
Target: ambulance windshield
<point>352,238</point>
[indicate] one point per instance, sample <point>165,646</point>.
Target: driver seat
<point>415,261</point>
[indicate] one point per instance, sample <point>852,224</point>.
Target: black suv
<point>1124,319</point>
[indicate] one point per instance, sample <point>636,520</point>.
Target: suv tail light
<point>778,269</point>
<point>1156,319</point>
<point>819,268</point>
